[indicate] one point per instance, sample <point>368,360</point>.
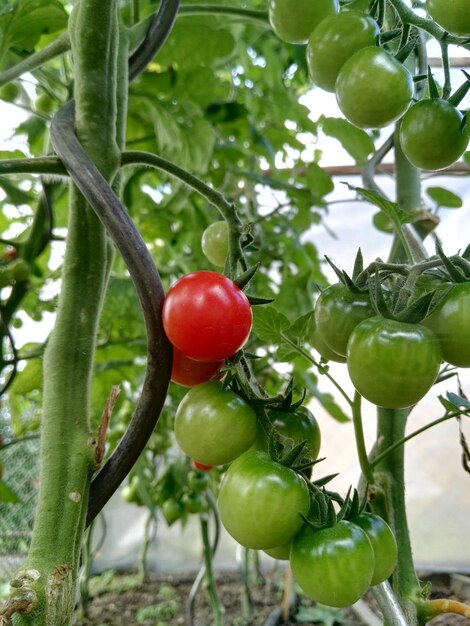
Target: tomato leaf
<point>444,198</point>
<point>7,495</point>
<point>354,140</point>
<point>269,324</point>
<point>391,210</point>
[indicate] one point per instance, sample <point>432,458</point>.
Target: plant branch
<point>364,463</point>
<point>150,291</point>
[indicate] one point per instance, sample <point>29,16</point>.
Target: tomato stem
<point>432,608</point>
<point>364,463</point>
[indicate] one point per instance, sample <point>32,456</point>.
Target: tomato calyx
<point>322,512</point>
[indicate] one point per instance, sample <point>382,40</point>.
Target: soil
<point>120,600</point>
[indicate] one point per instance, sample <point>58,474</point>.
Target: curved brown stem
<point>149,288</point>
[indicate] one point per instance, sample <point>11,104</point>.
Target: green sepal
<point>377,298</point>
<point>287,402</point>
<point>254,300</point>
<point>356,505</point>
<point>243,279</point>
<point>433,89</point>
<point>405,51</point>
<point>321,482</point>
<point>455,273</point>
<point>456,98</point>
<point>419,78</point>
<point>389,35</point>
<point>417,310</point>
<point>289,458</point>
<point>358,265</point>
<point>466,253</point>
<point>343,277</point>
<point>344,507</point>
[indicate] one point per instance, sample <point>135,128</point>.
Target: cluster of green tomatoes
<point>373,87</point>
<point>392,361</point>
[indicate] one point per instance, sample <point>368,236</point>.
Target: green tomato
<point>432,134</point>
<point>198,480</point>
<point>383,543</point>
<point>298,425</point>
<point>260,501</point>
<point>334,41</point>
<point>9,92</point>
<point>281,553</point>
<point>45,104</point>
<point>393,364</point>
<point>317,342</point>
<point>450,321</point>
<point>333,565</point>
<point>214,243</point>
<point>453,15</point>
<point>214,425</point>
<point>373,89</point>
<point>337,312</point>
<point>294,20</point>
<point>172,510</point>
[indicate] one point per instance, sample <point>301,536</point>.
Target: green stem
<point>447,88</point>
<point>319,366</point>
<point>54,49</point>
<point>408,16</point>
<point>144,546</point>
<point>217,608</point>
<point>380,457</point>
<point>364,463</point>
<point>67,447</point>
<point>226,209</point>
<point>390,474</point>
<point>39,165</point>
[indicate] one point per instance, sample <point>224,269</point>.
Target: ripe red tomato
<point>201,466</point>
<point>188,372</point>
<point>373,89</point>
<point>206,316</point>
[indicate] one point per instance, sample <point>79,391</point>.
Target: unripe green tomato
<point>20,270</point>
<point>373,89</point>
<point>214,243</point>
<point>9,92</point>
<point>383,543</point>
<point>193,503</point>
<point>334,41</point>
<point>198,481</point>
<point>453,15</point>
<point>44,104</point>
<point>294,20</point>
<point>172,511</point>
<point>323,349</point>
<point>281,553</point>
<point>337,312</point>
<point>432,135</point>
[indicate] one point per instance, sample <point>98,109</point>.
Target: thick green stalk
<point>67,446</point>
<point>390,473</point>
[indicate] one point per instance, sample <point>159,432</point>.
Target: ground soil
<point>119,600</point>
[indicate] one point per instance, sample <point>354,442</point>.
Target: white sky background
<point>434,474</point>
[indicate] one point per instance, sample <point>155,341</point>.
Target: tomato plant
<point>333,565</point>
<point>450,321</point>
<point>214,242</point>
<point>188,372</point>
<point>452,15</point>
<point>334,41</point>
<point>214,425</point>
<point>260,501</point>
<point>298,425</point>
<point>206,316</point>
<point>432,134</point>
<point>337,312</point>
<point>316,341</point>
<point>294,21</point>
<point>373,89</point>
<point>393,364</point>
<point>383,543</point>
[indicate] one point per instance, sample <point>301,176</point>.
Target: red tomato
<point>201,466</point>
<point>188,372</point>
<point>207,316</point>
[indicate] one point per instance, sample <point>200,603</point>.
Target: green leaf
<point>15,195</point>
<point>319,181</point>
<point>354,140</point>
<point>444,198</point>
<point>391,210</point>
<point>7,495</point>
<point>29,379</point>
<point>28,20</point>
<point>269,324</point>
